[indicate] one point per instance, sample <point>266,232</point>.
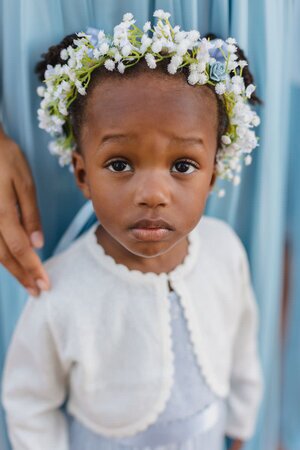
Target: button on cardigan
<point>102,337</point>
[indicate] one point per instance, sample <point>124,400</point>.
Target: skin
<point>20,228</point>
<point>147,153</point>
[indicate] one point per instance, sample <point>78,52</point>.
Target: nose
<point>152,190</point>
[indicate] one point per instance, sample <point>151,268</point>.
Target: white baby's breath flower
<point>203,78</point>
<point>161,14</point>
<point>243,63</point>
<point>71,62</point>
<point>220,88</point>
<point>226,139</point>
<point>121,67</point>
<point>201,66</point>
<point>64,54</point>
<point>126,50</point>
<point>221,193</point>
<point>193,35</point>
<point>193,78</point>
<point>231,48</point>
<point>80,88</point>
<point>176,60</point>
<point>65,86</point>
<point>109,64</point>
<point>218,43</point>
<point>41,91</point>
<point>96,53</point>
<point>172,68</point>
<point>62,109</point>
<point>180,36</point>
<point>146,40</point>
<point>127,17</point>
<point>241,130</point>
<point>232,65</point>
<point>117,55</point>
<point>249,90</point>
<point>233,57</point>
<point>147,26</point>
<point>182,47</point>
<point>231,41</point>
<point>156,46</point>
<point>150,60</point>
<point>256,120</point>
<point>248,160</point>
<point>103,49</point>
<point>236,88</point>
<point>101,36</point>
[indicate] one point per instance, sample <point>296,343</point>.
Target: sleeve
<point>246,384</point>
<point>34,384</point>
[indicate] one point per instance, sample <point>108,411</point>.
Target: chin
<point>149,249</point>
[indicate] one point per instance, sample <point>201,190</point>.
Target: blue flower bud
<point>217,71</point>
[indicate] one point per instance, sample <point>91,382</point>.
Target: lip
<point>151,230</point>
<point>152,224</point>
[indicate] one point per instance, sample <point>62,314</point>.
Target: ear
<point>213,178</point>
<point>80,174</point>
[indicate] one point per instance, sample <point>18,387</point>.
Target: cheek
<point>110,196</point>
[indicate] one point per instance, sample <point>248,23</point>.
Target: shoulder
<point>222,240</point>
<point>65,264</point>
<point>219,231</point>
<point>67,269</point>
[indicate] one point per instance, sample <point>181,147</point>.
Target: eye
<point>184,166</point>
<point>118,166</point>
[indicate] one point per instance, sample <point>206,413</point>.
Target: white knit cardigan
<point>102,339</point>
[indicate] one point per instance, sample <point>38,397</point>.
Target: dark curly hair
<point>77,109</point>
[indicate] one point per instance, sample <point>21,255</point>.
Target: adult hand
<point>237,444</point>
<point>20,225</point>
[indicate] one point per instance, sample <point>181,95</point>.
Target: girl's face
<point>148,147</point>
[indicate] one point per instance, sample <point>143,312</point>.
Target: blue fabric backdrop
<point>256,209</point>
<point>290,423</point>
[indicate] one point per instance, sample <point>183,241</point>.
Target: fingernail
<point>42,284</point>
<point>32,292</point>
<point>37,239</point>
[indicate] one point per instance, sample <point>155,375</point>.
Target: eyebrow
<point>114,137</point>
<point>188,140</point>
<point>184,140</point>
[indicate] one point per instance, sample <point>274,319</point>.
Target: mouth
<point>151,230</point>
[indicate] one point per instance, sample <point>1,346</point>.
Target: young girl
<point>149,335</point>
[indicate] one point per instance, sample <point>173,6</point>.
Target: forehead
<point>151,100</point>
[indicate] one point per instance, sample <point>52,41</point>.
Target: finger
<point>17,240</point>
<point>16,270</point>
<point>27,201</point>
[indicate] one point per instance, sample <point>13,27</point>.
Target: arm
<point>246,376</point>
<point>19,230</point>
<point>34,384</point>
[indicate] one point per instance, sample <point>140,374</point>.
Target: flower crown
<point>212,62</point>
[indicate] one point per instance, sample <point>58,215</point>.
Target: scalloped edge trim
<point>134,275</point>
<point>196,341</point>
<point>168,357</point>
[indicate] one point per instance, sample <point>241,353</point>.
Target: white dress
<point>193,419</point>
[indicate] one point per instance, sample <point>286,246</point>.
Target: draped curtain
<point>257,209</point>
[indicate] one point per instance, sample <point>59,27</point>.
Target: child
<point>149,333</point>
